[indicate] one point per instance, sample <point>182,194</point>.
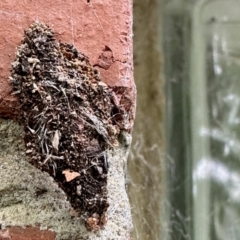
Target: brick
<point>92,26</point>
<point>27,233</point>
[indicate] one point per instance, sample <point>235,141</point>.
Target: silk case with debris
<point>71,119</point>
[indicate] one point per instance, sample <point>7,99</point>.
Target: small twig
<point>47,158</point>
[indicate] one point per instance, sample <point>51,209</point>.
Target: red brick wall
<point>101,29</point>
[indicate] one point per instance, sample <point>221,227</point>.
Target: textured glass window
<point>201,42</point>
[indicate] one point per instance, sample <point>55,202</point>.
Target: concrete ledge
<point>30,197</point>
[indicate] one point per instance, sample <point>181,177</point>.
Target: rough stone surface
<point>31,197</point>
<point>96,28</point>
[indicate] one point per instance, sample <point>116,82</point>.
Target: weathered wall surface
<point>145,163</point>
<point>102,30</point>
<point>30,197</point>
<point>90,25</point>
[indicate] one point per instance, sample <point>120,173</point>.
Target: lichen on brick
<point>69,118</point>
